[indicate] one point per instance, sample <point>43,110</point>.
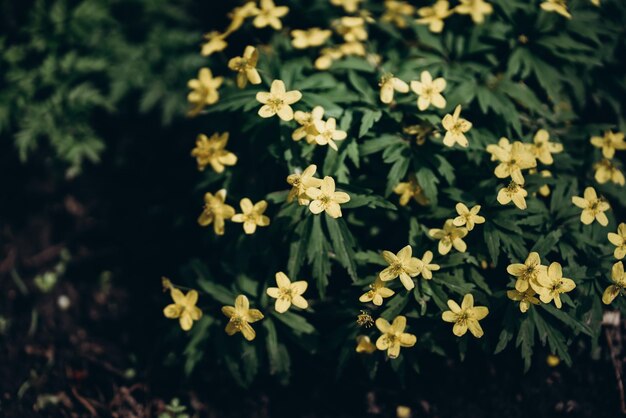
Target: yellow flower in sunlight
<point>397,12</point>
<point>477,9</point>
<point>327,133</point>
<point>326,199</point>
<point>239,14</point>
<point>215,42</point>
<point>204,90</point>
<point>557,6</point>
<point>307,120</point>
<point>388,84</point>
<point>618,277</point>
<point>450,236</point>
<point>543,149</point>
<point>433,16</point>
<point>465,316</point>
<point>455,127</point>
<point>215,211</point>
<point>425,267</point>
<point>288,293</point>
<point>468,217</point>
<point>553,284</point>
<point>513,162</point>
<point>619,240</point>
<point>607,171</point>
<point>503,147</point>
<point>364,345</point>
<point>545,189</point>
<point>402,265</point>
<point>246,67</point>
<point>310,37</point>
<point>429,91</point>
<point>352,28</point>
<point>240,317</point>
<point>515,193</point>
<point>349,6</point>
<point>393,336</point>
<point>252,215</point>
<point>300,182</point>
<point>278,101</point>
<point>377,293</point>
<point>184,308</point>
<point>525,299</point>
<point>327,57</point>
<point>269,15</point>
<point>410,190</point>
<point>609,143</point>
<point>211,151</point>
<point>528,274</point>
<point>592,206</point>
<point>352,48</point>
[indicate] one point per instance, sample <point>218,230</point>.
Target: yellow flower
<point>450,236</point>
<point>503,147</point>
<point>434,16</point>
<point>327,57</point>
<point>619,240</point>
<point>528,274</point>
<point>468,217</point>
<point>269,15</point>
<point>543,149</point>
<point>397,12</point>
<point>241,316</point>
<point>478,9</point>
<point>429,91</point>
<point>246,67</point>
<point>277,101</point>
<point>455,127</point>
<point>252,215</point>
<point>184,308</point>
<point>215,42</point>
<point>352,28</point>
<point>592,206</point>
<point>388,83</point>
<point>307,120</point>
<point>525,299</point>
<point>204,90</point>
<point>349,6</point>
<point>211,151</point>
<point>558,6</point>
<point>425,267</point>
<point>513,162</point>
<point>465,316</point>
<point>607,171</point>
<point>239,14</point>
<point>410,190</point>
<point>618,277</point>
<point>327,133</point>
<point>553,360</point>
<point>393,336</point>
<point>513,192</point>
<point>311,37</point>
<point>553,284</point>
<point>364,345</point>
<point>609,143</point>
<point>326,198</point>
<point>288,293</point>
<point>402,265</point>
<point>300,182</point>
<point>352,48</point>
<point>215,211</point>
<point>377,293</point>
<point>545,189</point>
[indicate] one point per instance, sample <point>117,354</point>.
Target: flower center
<point>275,103</point>
<point>237,321</point>
<point>285,293</point>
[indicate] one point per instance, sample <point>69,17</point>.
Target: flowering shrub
<point>398,166</point>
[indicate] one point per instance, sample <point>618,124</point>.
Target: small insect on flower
<point>468,217</point>
<point>252,215</point>
<point>429,91</point>
<point>456,127</point>
<point>513,193</point>
<point>556,6</point>
<point>364,345</point>
<point>215,42</point>
<point>327,133</point>
<point>277,101</point>
<point>326,199</point>
<point>388,85</point>
<point>619,240</point>
<point>393,336</point>
<point>593,207</point>
<point>303,39</point>
<point>184,308</point>
<point>402,265</point>
<point>543,149</point>
<point>425,267</point>
<point>240,317</point>
<point>215,211</point>
<point>211,151</point>
<point>450,236</point>
<point>477,9</point>
<point>204,90</point>
<point>528,274</point>
<point>609,143</point>
<point>246,67</point>
<point>433,16</point>
<point>525,299</point>
<point>410,190</point>
<point>607,171</point>
<point>377,293</point>
<point>300,182</point>
<point>288,293</point>
<point>465,316</point>
<point>618,277</point>
<point>554,284</point>
<point>269,15</point>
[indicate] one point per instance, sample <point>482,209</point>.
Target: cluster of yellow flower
<point>560,7</point>
<point>605,169</point>
<point>434,15</point>
<point>618,277</point>
<point>318,194</point>
<point>216,211</point>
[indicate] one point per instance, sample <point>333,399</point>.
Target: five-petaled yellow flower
<point>410,190</point>
<point>455,127</point>
<point>433,16</point>
<point>429,91</point>
<point>518,158</point>
<point>310,37</point>
<point>349,6</point>
<point>557,6</point>
<point>377,293</point>
<point>465,316</point>
<point>326,199</point>
<point>300,182</point>
<point>468,217</point>
<point>352,28</point>
<point>215,211</point>
<point>239,14</point>
<point>241,316</point>
<point>425,267</point>
<point>543,149</point>
<point>252,215</point>
<point>397,12</point>
<point>307,120</point>
<point>393,336</point>
<point>277,101</point>
<point>525,299</point>
<point>477,9</point>
<point>246,67</point>
<point>184,308</point>
<point>503,147</point>
<point>388,85</point>
<point>553,284</point>
<point>269,15</point>
<point>402,265</point>
<point>528,274</point>
<point>607,171</point>
<point>327,133</point>
<point>204,90</point>
<point>513,193</point>
<point>288,293</point>
<point>364,345</point>
<point>215,42</point>
<point>609,143</point>
<point>619,240</point>
<point>450,236</point>
<point>618,277</point>
<point>593,207</point>
<point>211,151</point>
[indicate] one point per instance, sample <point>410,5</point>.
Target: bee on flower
<point>513,193</point>
<point>388,84</point>
<point>618,277</point>
<point>211,151</point>
<point>433,16</point>
<point>246,67</point>
<point>204,90</point>
<point>593,207</point>
<point>326,199</point>
<point>278,101</point>
<point>393,336</point>
<point>553,284</point>
<point>308,38</point>
<point>269,15</point>
<point>477,9</point>
<point>429,91</point>
<point>240,317</point>
<point>252,216</point>
<point>465,316</point>
<point>456,127</point>
<point>300,182</point>
<point>288,293</point>
<point>450,236</point>
<point>216,211</point>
